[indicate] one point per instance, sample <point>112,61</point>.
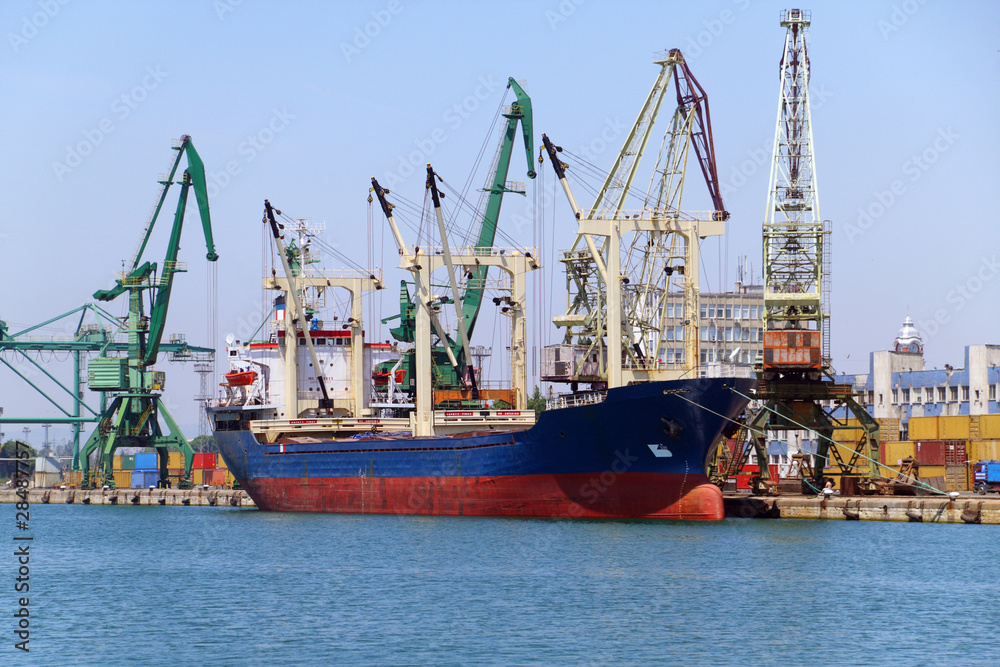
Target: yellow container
<point>175,460</point>
<point>926,472</point>
<point>73,479</point>
<point>117,464</point>
<point>197,476</point>
<point>989,427</point>
<point>888,429</point>
<point>984,450</point>
<point>848,434</point>
<point>953,428</point>
<point>123,478</point>
<point>923,428</point>
<point>956,478</point>
<point>897,451</point>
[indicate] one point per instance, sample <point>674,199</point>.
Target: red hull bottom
<point>605,495</point>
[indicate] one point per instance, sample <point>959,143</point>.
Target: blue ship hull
<point>642,452</point>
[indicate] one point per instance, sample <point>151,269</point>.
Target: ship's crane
<point>796,386</point>
<point>630,255</point>
<point>450,356</point>
<point>132,418</point>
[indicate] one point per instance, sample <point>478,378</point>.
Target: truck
<point>986,477</point>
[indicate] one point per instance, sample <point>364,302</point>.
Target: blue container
<point>146,461</point>
<point>143,479</point>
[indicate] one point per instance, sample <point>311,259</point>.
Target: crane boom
<point>472,300</point>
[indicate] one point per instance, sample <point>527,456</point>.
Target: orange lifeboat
<point>240,378</point>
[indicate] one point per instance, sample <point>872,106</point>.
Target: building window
<point>746,311</point>
<point>704,311</point>
<point>729,311</point>
<point>753,312</point>
<point>929,394</point>
<point>993,392</point>
<point>965,393</point>
<point>906,396</point>
<point>953,393</point>
<point>729,334</point>
<point>670,333</point>
<point>679,333</point>
<point>871,397</point>
<point>746,334</point>
<point>753,335</point>
<point>704,334</point>
<point>895,396</point>
<point>704,356</point>
<point>711,310</point>
<point>940,394</point>
<point>670,310</point>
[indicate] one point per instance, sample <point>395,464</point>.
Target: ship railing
<point>574,400</point>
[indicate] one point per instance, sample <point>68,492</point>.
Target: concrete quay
<point>965,509</point>
<point>183,497</point>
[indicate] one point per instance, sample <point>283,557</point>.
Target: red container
<point>218,478</point>
<point>931,453</point>
<point>204,461</point>
<point>954,453</point>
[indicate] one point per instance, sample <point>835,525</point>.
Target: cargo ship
<point>317,419</point>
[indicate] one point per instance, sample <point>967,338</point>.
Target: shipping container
<point>218,477</point>
<point>955,453</point>
<point>123,479</point>
<point>117,463</point>
<point>888,429</point>
<point>197,476</point>
<point>984,450</point>
<point>846,433</point>
<point>146,461</point>
<point>930,453</point>
<point>221,462</point>
<point>895,452</point>
<point>923,428</point>
<point>953,428</point>
<point>934,476</point>
<point>205,461</point>
<point>73,479</point>
<point>989,427</point>
<point>143,479</point>
<point>175,460</point>
<point>956,477</point>
<point>128,461</point>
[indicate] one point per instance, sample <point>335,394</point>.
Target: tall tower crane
<point>132,418</point>
<point>796,385</point>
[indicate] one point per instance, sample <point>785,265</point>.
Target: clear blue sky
<point>905,96</point>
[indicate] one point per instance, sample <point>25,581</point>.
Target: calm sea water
<point>168,585</point>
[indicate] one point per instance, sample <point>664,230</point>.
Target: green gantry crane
<point>132,418</point>
<point>447,375</point>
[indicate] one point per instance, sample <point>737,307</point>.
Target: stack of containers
<point>146,472</point>
<point>203,467</point>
